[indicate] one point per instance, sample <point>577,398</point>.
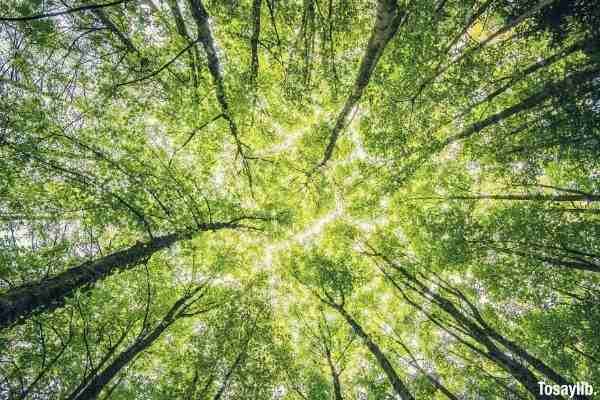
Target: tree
<point>389,198</point>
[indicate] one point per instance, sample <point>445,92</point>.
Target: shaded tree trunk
<point>387,21</point>
<point>491,352</point>
<point>519,76</point>
<point>335,377</point>
<point>237,363</point>
<point>95,386</point>
<point>21,302</point>
<point>194,57</point>
<point>483,333</point>
<point>567,85</point>
<point>434,381</point>
<point>68,11</point>
<point>440,70</point>
<point>98,12</point>
<point>588,197</point>
<point>256,5</point>
<point>574,263</point>
<point>387,367</point>
<point>215,68</point>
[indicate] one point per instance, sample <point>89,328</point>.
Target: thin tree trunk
<point>98,12</point>
<point>335,377</point>
<point>438,68</point>
<point>21,302</point>
<point>68,11</point>
<point>519,76</point>
<point>386,25</point>
<point>111,351</point>
<point>238,361</point>
<point>399,387</point>
<point>429,376</point>
<point>194,57</point>
<point>493,353</point>
<point>588,197</point>
<point>485,335</point>
<point>229,374</point>
<point>214,66</point>
<point>256,6</point>
<point>93,389</point>
<point>568,85</point>
<point>578,264</point>
<point>511,24</point>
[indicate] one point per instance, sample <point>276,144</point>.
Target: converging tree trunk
<point>482,332</point>
<point>521,197</point>
<point>440,69</point>
<point>93,388</point>
<point>216,71</point>
<point>434,381</point>
<point>21,302</point>
<point>335,376</point>
<point>570,83</point>
<point>387,21</point>
<point>256,5</point>
<point>387,367</point>
<point>113,28</point>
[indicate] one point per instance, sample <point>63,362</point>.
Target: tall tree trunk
<point>67,11</point>
<point>440,70</point>
<point>491,352</point>
<point>519,76</point>
<point>399,387</point>
<point>95,386</point>
<point>256,5</point>
<point>87,378</point>
<point>387,21</point>
<point>588,197</point>
<point>434,381</point>
<point>237,363</point>
<point>569,84</point>
<point>335,377</point>
<point>21,302</point>
<point>575,263</point>
<point>214,66</point>
<point>484,334</point>
<point>98,12</point>
<point>194,57</point>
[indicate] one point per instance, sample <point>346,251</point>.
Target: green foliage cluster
<point>306,199</point>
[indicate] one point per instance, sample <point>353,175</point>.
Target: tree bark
<point>21,302</point>
<point>214,66</point>
<point>484,334</point>
<point>578,264</point>
<point>237,363</point>
<point>569,84</point>
<point>434,381</point>
<point>439,71</point>
<point>93,389</point>
<point>386,25</point>
<point>335,377</point>
<point>399,387</point>
<point>98,12</point>
<point>519,76</point>
<point>68,11</point>
<point>521,197</point>
<point>256,5</point>
<point>194,57</point>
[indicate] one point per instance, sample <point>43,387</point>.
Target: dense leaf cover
<point>304,199</point>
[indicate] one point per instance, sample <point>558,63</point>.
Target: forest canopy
<point>303,199</point>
